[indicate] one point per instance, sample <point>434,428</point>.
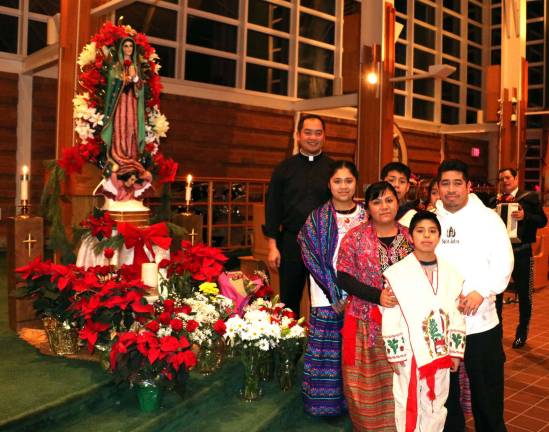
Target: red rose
<point>168,305</point>
<point>192,325</point>
<point>153,326</point>
<point>108,252</point>
<point>220,327</point>
<point>185,309</point>
<point>176,324</point>
<point>127,63</point>
<point>165,318</point>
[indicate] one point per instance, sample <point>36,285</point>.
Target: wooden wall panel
<point>423,152</point>
<point>44,117</point>
<point>460,148</point>
<point>8,141</point>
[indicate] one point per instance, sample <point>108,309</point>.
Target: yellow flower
<point>209,288</point>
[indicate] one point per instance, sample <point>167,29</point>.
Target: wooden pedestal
<point>25,243</point>
<point>193,225</point>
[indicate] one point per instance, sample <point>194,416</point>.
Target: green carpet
<point>44,393</point>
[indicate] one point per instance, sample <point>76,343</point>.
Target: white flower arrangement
<point>88,54</point>
<point>255,329</point>
<point>86,117</point>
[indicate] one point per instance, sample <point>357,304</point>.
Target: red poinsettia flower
<point>155,88</point>
<point>188,358</point>
<point>34,269</point>
<point>90,332</point>
<point>72,161</point>
<point>169,344</point>
<point>167,170</point>
<point>101,227</point>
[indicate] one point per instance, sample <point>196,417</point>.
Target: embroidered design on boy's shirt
<point>456,342</point>
<point>434,331</point>
<point>395,347</point>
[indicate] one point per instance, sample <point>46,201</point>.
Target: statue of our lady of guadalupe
<point>124,129</point>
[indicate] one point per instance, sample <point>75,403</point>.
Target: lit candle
<point>24,183</point>
<point>149,275</point>
<point>188,189</point>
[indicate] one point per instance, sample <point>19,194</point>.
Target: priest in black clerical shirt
<point>298,186</point>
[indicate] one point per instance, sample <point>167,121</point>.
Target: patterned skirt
<point>368,385</point>
<point>322,384</point>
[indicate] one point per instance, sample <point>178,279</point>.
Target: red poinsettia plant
<point>189,267</point>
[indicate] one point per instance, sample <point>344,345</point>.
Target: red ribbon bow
<point>141,238</point>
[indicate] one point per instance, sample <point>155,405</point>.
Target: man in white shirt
<point>474,239</point>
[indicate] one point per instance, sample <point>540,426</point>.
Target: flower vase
<point>210,357</point>
<point>149,395</point>
<point>289,351</point>
<point>266,366</point>
<point>63,339</point>
<point>251,390</point>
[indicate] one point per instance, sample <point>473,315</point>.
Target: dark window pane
<point>474,55</point>
<point>495,57</point>
<point>475,12</point>
<point>534,9</point>
<point>450,46</point>
<point>46,7</point>
<point>534,53</point>
<point>535,97</point>
<point>424,87</point>
<point>211,34</point>
<point>267,47</point>
<point>209,69</point>
<point>534,31</point>
<point>400,104</point>
<point>227,8</point>
<point>450,92</point>
<point>455,74</point>
<point>401,85</point>
<point>401,6</point>
<point>422,59</point>
<point>535,75</point>
<point>326,6</point>
<point>315,58</point>
<point>8,35</point>
<point>316,28</point>
<point>496,36</point>
<point>167,60</point>
<point>471,117</point>
<point>424,12</point>
<point>454,5</point>
<point>163,23</point>
<point>451,24</point>
<point>38,33</point>
<point>422,109</point>
<point>403,32</point>
<point>496,15</point>
<point>10,3</point>
<point>534,121</point>
<point>473,98</point>
<point>474,33</point>
<point>474,76</point>
<point>400,53</point>
<point>449,114</point>
<point>269,15</point>
<point>311,87</point>
<point>268,80</point>
<point>424,36</point>
<point>172,1</point>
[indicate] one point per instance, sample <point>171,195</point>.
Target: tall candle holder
<point>24,186</point>
<point>188,194</point>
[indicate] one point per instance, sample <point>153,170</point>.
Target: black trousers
<point>484,361</point>
<point>293,273</point>
<point>522,277</point>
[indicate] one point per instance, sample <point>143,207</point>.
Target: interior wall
<point>8,141</point>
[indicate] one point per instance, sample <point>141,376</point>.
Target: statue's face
<point>127,48</point>
<point>131,181</point>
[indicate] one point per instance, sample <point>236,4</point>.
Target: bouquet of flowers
<point>242,288</point>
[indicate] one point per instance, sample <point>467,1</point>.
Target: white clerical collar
<point>309,157</point>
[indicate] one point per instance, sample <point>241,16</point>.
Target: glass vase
<point>251,389</point>
<point>63,340</point>
<point>289,352</point>
<point>149,395</point>
<point>210,357</point>
<point>267,366</point>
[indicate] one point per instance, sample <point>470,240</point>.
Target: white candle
<point>149,274</point>
<point>25,183</point>
<point>188,189</point>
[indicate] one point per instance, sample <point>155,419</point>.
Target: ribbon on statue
<point>141,238</point>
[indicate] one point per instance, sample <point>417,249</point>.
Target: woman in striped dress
<point>319,240</point>
<point>366,251</point>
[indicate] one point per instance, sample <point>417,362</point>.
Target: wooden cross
<point>192,235</point>
<point>30,243</point>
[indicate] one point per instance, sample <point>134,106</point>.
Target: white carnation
<point>87,55</point>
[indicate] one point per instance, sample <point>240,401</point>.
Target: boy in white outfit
<point>425,336</point>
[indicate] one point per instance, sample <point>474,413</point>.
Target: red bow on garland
<point>139,238</point>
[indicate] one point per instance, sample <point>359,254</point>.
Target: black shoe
<point>519,342</point>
